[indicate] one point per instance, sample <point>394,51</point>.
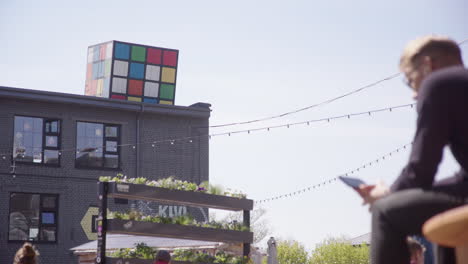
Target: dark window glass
<point>52,127</point>
<point>48,218</point>
<point>51,156</point>
<point>29,137</point>
<point>111,161</point>
<point>49,233</point>
<point>111,131</point>
<point>51,141</point>
<point>49,201</point>
<point>29,221</point>
<point>94,143</point>
<point>111,146</point>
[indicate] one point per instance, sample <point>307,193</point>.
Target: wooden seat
<point>450,229</point>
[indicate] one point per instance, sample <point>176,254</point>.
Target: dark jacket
<point>442,120</point>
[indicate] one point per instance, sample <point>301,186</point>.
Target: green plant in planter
<point>183,255</point>
<point>186,220</point>
<point>145,252</point>
<point>141,251</point>
<point>223,257</point>
<point>174,184</point>
<point>121,253</point>
<point>220,257</point>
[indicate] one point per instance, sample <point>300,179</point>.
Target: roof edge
<point>197,110</point>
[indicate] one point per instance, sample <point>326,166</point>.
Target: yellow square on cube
<point>135,99</point>
<point>100,84</point>
<point>166,102</point>
<point>168,75</point>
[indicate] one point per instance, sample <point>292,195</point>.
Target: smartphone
<point>352,182</point>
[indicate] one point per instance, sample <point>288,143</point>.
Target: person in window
<point>27,254</point>
<point>162,257</point>
<point>434,70</point>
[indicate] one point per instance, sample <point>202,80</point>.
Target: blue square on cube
<point>150,100</point>
<point>137,70</point>
<point>96,53</point>
<point>96,70</point>
<point>122,51</point>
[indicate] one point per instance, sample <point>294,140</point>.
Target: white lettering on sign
<point>123,187</point>
<point>172,211</point>
<point>128,225</point>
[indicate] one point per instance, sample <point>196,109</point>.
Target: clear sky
<point>252,59</point>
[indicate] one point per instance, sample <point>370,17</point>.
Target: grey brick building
<point>54,146</point>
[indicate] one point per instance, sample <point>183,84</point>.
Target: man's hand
<point>371,193</point>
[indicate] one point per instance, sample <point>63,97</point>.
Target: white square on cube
<point>120,68</point>
<point>152,72</point>
<point>90,54</point>
<point>119,85</point>
<point>109,51</point>
<point>151,89</point>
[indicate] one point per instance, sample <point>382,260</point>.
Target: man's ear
<point>427,64</point>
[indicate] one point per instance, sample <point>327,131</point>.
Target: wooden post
<point>247,224</point>
<point>102,223</point>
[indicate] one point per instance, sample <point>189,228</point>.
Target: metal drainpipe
<point>137,147</point>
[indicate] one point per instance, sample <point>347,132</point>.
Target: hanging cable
<point>189,139</point>
<point>331,180</point>
<point>310,106</point>
<point>392,76</point>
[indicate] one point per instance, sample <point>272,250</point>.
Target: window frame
<point>44,147</point>
<point>40,225</point>
<point>104,149</point>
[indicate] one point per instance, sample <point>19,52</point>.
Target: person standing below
<point>416,251</point>
<point>162,257</point>
<point>434,70</point>
<point>26,255</point>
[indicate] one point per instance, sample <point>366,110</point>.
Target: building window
<point>97,145</point>
<point>36,140</point>
<point>33,217</point>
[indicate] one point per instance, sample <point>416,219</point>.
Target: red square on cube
<point>154,56</point>
<point>135,87</point>
<point>170,58</point>
<point>102,52</point>
<point>117,96</point>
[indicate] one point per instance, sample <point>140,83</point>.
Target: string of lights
<point>310,106</point>
<point>190,139</point>
<point>360,89</point>
<point>331,180</point>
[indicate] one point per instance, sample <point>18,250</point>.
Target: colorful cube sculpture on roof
<point>133,72</point>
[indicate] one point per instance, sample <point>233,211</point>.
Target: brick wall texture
<point>76,188</point>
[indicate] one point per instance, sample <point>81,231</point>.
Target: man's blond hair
<point>432,46</point>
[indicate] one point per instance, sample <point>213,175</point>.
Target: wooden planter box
<point>143,261</point>
<point>141,228</point>
<point>129,261</point>
<point>144,192</point>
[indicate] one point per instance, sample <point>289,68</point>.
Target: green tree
<point>338,251</point>
<point>291,252</point>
